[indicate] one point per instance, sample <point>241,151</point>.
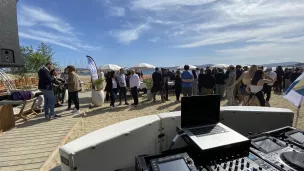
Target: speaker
<point>9,40</point>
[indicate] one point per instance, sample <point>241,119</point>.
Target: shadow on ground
<point>57,168</point>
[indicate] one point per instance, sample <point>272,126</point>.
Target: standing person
<point>134,84</point>
<point>230,85</point>
<point>245,78</point>
<point>64,76</point>
<point>280,75</point>
<point>297,72</point>
<point>187,79</point>
<point>287,81</point>
<point>178,85</point>
<point>269,86</point>
<point>165,85</point>
<point>45,86</point>
<point>220,83</point>
<point>157,83</point>
<point>194,83</point>
<point>58,85</point>
<point>255,88</point>
<point>74,87</point>
<point>122,81</point>
<point>237,89</point>
<point>206,82</point>
<point>112,87</point>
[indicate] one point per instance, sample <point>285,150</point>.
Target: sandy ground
<point>101,117</point>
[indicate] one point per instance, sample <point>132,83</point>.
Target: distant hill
<point>291,63</point>
<point>204,66</point>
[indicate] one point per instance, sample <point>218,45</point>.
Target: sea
<point>145,72</point>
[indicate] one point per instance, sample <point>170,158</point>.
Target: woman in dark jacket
<point>206,82</point>
<point>178,85</point>
<point>220,83</point>
<point>280,75</point>
<point>112,87</point>
<point>58,88</point>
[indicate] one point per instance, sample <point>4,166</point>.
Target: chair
<point>25,109</point>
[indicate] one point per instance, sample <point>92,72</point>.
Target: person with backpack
<point>74,86</point>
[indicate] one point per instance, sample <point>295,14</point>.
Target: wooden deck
<point>28,145</point>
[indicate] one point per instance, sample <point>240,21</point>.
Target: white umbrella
<point>190,67</point>
<point>220,66</point>
<point>143,66</point>
<point>110,67</point>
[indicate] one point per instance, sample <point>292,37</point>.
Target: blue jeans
<point>113,96</point>
<point>49,102</point>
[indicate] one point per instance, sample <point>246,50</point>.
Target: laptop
<point>200,120</point>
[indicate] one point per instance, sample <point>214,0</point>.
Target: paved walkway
<point>28,146</point>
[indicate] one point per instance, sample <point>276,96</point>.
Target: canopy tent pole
<point>297,116</point>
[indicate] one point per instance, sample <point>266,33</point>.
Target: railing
<point>20,83</point>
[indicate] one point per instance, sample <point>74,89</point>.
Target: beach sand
<point>101,117</point>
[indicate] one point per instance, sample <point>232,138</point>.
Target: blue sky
<point>165,32</point>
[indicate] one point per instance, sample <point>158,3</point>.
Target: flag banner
<point>93,68</point>
<point>295,93</point>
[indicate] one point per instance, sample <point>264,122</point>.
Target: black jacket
<point>220,78</point>
<point>157,78</point>
<point>178,83</point>
<point>45,79</point>
<point>206,80</point>
<point>109,85</point>
<point>294,76</point>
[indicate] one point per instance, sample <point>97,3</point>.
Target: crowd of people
<point>53,89</point>
<point>119,83</point>
<point>246,85</point>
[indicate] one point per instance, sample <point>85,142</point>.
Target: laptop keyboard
<point>208,130</point>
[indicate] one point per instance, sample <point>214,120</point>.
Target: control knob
<point>242,166</point>
<point>248,165</point>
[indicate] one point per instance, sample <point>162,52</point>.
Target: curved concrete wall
<point>115,147</point>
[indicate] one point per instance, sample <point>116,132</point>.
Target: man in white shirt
<point>268,87</point>
<point>121,77</point>
<point>134,84</point>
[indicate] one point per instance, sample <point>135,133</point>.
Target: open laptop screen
<point>200,110</point>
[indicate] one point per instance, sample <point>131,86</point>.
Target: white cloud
<point>117,11</point>
<point>155,39</point>
<point>250,21</point>
<point>264,52</point>
<point>37,24</point>
<point>271,34</point>
<point>47,40</point>
<point>126,36</point>
<point>164,4</point>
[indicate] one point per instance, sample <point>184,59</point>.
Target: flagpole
<point>297,117</point>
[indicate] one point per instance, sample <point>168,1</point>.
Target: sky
<point>165,32</point>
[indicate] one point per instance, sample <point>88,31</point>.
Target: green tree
<point>34,59</point>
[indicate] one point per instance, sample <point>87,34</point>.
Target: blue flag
<point>93,68</point>
<point>295,93</point>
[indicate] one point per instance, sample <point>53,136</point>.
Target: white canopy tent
<point>190,67</point>
<point>143,66</point>
<point>220,66</point>
<point>109,67</point>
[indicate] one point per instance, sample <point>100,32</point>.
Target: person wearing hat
<point>230,85</point>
